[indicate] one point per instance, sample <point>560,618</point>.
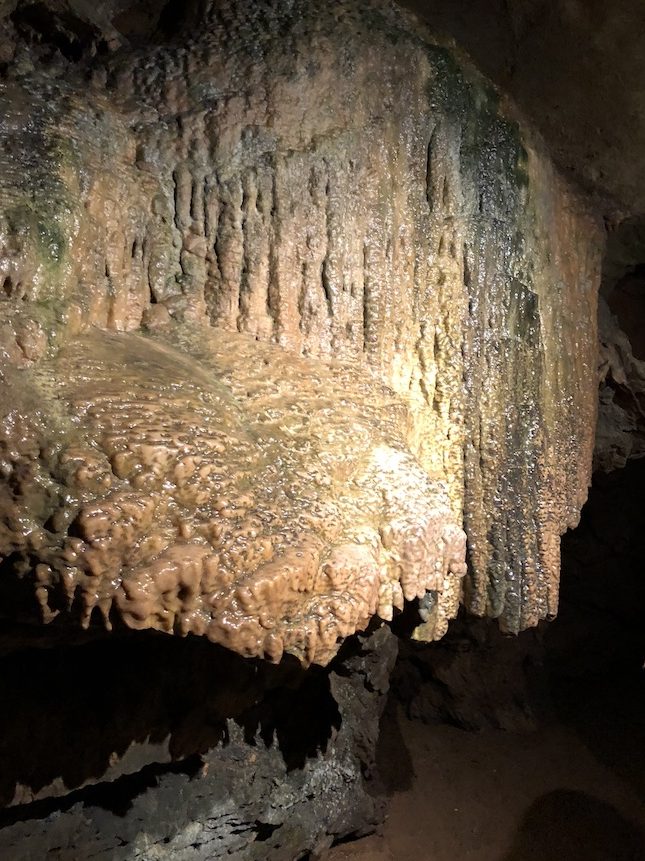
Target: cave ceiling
<point>574,67</point>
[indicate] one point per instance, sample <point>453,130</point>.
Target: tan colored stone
<point>373,307</point>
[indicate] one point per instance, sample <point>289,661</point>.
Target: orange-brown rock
<point>285,305</point>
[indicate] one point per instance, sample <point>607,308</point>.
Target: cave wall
<point>297,324</point>
<point>620,431</point>
<point>575,67</point>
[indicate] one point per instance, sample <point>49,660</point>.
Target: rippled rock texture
<point>404,294</point>
<point>296,325</point>
<point>250,496</point>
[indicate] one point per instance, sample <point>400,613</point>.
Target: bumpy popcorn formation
<point>277,326</point>
<point>264,502</point>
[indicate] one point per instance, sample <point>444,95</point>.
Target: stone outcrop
<point>250,761</point>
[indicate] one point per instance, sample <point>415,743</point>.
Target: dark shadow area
<point>233,757</point>
<point>300,719</point>
<point>579,99</point>
<point>573,826</point>
<point>596,648</point>
<point>62,31</point>
<point>599,629</point>
<point>474,678</point>
<point>607,716</point>
<point>174,16</point>
<point>394,760</point>
<point>581,668</point>
<point>627,303</point>
<point>71,713</point>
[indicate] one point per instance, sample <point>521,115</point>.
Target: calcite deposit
<point>288,304</point>
<point>228,490</point>
<point>297,327</point>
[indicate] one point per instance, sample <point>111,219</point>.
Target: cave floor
<point>573,790</point>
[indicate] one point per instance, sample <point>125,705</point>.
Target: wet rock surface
<point>297,325</point>
<point>409,229</point>
<point>206,494</point>
<point>574,68</point>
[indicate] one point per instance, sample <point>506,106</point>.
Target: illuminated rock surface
<point>297,325</point>
<point>404,230</point>
<point>251,497</point>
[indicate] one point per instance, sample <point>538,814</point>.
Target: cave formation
<point>316,321</point>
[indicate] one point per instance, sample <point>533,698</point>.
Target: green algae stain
<point>51,242</point>
<point>43,164</point>
<point>493,159</point>
<point>37,223</point>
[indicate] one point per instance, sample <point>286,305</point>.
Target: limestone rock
<point>401,300</point>
<point>297,324</point>
<point>227,490</point>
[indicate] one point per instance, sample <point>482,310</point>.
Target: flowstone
<point>297,325</point>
